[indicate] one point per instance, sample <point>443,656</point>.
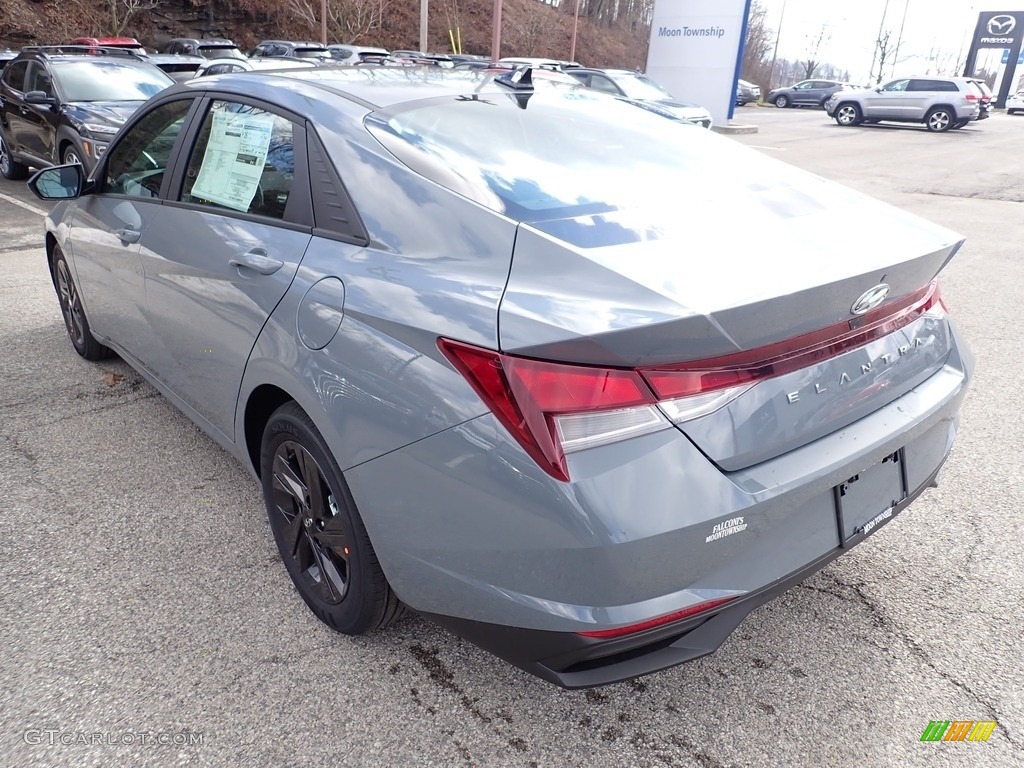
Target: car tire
<point>10,168</point>
<point>318,530</point>
<point>824,102</point>
<point>1011,111</point>
<point>939,120</point>
<point>781,102</point>
<point>960,124</point>
<point>848,114</point>
<point>70,155</point>
<point>75,321</point>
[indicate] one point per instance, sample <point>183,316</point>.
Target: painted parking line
<point>20,204</point>
<point>776,149</point>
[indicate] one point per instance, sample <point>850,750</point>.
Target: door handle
<point>128,235</point>
<point>258,261</point>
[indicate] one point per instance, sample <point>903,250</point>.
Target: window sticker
<point>234,159</point>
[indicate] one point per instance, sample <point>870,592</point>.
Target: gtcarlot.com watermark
<point>51,737</point>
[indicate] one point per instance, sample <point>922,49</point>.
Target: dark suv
<point>211,48</point>
<point>805,93</point>
<point>63,104</point>
<point>275,49</point>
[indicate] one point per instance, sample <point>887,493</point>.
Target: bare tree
<point>123,11</point>
<point>757,50</point>
<point>347,20</point>
<point>812,62</point>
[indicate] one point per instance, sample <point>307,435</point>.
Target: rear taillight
<point>552,409</point>
<point>972,96</point>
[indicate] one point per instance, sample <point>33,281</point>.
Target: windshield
<point>551,153</point>
<point>639,87</point>
<point>109,80</point>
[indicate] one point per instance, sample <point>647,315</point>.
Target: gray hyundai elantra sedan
<point>497,353</point>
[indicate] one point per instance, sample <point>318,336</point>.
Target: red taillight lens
<point>972,96</point>
<point>551,408</point>
<point>631,629</point>
<point>528,395</point>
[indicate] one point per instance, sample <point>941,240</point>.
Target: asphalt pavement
<point>146,619</point>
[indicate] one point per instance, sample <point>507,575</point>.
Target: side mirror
<point>39,97</point>
<point>62,182</point>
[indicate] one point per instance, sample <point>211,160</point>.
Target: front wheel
<point>9,167</point>
<point>939,119</point>
<point>319,533</point>
<point>75,321</point>
<point>781,102</point>
<point>848,114</point>
<point>71,156</point>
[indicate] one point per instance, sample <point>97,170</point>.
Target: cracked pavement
<point>142,591</point>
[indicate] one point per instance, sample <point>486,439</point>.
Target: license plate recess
<point>869,499</point>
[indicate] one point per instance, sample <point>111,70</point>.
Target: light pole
<point>775,53</point>
<point>496,31</point>
<point>323,21</point>
<point>423,26</point>
<point>575,24</point>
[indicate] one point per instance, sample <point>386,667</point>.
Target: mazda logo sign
<point>870,299</point>
<point>1001,24</point>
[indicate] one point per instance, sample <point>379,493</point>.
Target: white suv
<point>940,103</point>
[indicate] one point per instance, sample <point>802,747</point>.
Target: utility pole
<point>878,43</point>
<point>423,26</point>
<point>899,40</point>
<point>496,31</point>
<point>775,53</point>
<point>323,21</point>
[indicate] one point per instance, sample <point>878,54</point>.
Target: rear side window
<point>932,85</point>
<point>243,160</point>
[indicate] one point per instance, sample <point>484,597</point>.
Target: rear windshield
<point>103,80</point>
<point>552,153</point>
<point>220,52</point>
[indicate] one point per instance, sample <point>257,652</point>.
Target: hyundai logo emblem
<point>870,299</point>
<point>1001,24</point>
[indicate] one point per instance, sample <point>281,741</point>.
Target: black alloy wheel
<point>319,533</point>
<point>75,321</point>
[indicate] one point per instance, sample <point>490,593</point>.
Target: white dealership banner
<point>695,51</point>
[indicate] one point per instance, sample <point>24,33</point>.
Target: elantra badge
<point>870,299</point>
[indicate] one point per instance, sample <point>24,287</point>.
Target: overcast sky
<point>934,29</point>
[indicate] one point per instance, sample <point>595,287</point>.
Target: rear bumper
<point>481,540</point>
<point>570,660</point>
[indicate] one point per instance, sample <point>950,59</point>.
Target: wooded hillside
<point>611,32</point>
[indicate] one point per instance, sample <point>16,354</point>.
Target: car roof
<point>372,87</point>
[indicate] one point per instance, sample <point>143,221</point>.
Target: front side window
<point>39,79</point>
<point>604,85</point>
<point>896,86</point>
<point>137,163</point>
<point>243,160</point>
